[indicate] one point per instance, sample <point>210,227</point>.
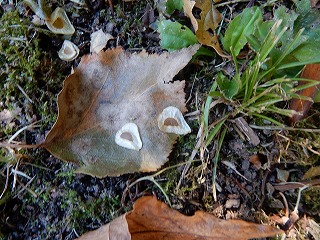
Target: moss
<point>311,198</point>
<point>19,55</point>
<point>172,177</point>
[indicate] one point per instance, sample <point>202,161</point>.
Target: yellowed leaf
<point>109,108</point>
<point>312,172</point>
<point>151,219</point>
<point>209,20</point>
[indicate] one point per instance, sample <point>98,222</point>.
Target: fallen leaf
<point>255,160</point>
<point>187,9</point>
<point>117,229</point>
<point>315,4</point>
<point>99,40</point>
<point>286,186</point>
<point>209,20</point>
<point>247,131</point>
<point>112,91</point>
<point>313,228</point>
<point>311,71</point>
<point>6,116</point>
<point>151,219</point>
<point>282,175</point>
<point>312,172</point>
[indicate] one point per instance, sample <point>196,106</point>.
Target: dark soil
<point>59,204</point>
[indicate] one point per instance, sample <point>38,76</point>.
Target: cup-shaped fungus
<point>59,22</point>
<point>128,137</point>
<point>69,51</point>
<point>40,8</point>
<point>170,120</point>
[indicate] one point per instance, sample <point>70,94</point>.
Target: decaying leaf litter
<point>197,190</point>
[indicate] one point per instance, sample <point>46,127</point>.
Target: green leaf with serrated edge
<point>175,36</point>
<point>241,26</point>
<point>172,5</point>
<point>229,88</point>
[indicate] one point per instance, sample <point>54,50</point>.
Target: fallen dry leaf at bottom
<point>117,229</point>
<point>151,219</point>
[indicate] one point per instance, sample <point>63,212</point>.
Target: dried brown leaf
<point>117,229</point>
<point>312,172</point>
<point>107,91</point>
<point>151,219</point>
<point>209,20</point>
<point>187,8</point>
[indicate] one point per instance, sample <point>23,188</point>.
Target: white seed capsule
<point>59,22</point>
<point>170,120</point>
<point>128,137</point>
<point>69,51</point>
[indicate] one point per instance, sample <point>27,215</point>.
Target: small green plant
<point>276,52</point>
<point>270,75</point>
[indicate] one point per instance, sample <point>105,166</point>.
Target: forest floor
<point>45,199</point>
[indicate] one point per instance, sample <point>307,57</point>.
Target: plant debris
<point>143,223</point>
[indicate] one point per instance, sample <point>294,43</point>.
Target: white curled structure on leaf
<point>69,51</point>
<point>59,22</point>
<point>128,137</point>
<point>170,120</point>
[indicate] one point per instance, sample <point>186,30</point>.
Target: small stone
<point>232,203</point>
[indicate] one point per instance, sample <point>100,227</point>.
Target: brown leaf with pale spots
<point>151,219</point>
<point>108,91</point>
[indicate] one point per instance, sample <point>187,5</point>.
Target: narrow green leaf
<point>206,109</point>
<point>214,131</point>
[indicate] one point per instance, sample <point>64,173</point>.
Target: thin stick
<point>299,197</point>
<point>24,93</point>
<point>151,178</point>
<point>230,2</point>
<point>193,154</point>
<point>285,204</point>
<point>25,187</point>
<point>7,182</point>
<point>284,128</point>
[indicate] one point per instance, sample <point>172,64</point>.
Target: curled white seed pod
<point>69,51</point>
<point>128,137</point>
<point>170,120</point>
<point>59,22</point>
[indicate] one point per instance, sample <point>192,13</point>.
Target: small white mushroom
<point>172,121</point>
<point>128,137</point>
<point>59,22</point>
<point>69,51</point>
